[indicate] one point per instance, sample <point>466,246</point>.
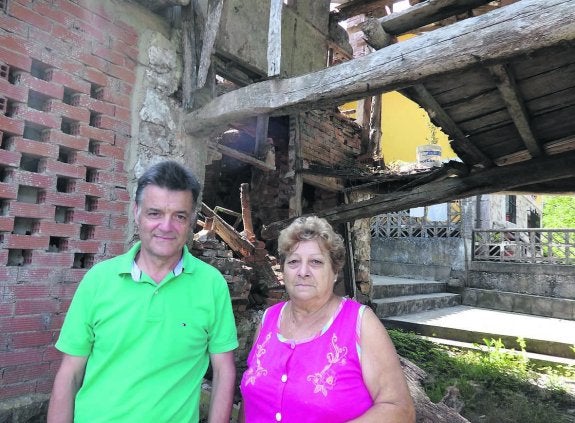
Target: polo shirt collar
<point>136,272</point>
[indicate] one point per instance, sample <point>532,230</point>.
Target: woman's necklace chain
<point>318,316</point>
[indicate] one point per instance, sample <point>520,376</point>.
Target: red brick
<point>73,275</point>
<point>7,275</point>
<point>9,191</point>
<point>16,358</point>
<point>66,140</point>
<point>32,115</point>
<point>47,88</point>
<point>24,307</point>
<point>123,113</point>
<point>108,234</point>
<point>11,125</point>
<point>71,112</point>
<point>6,224</point>
<point>112,206</point>
<point>36,148</point>
<point>118,221</point>
<point>99,106</point>
<point>31,291</point>
<point>51,355</point>
<point>59,229</point>
<point>107,122</point>
<point>88,246</point>
<point>12,25</point>
<point>34,273</point>
<point>25,242</point>
<point>14,59</point>
<point>70,81</point>
<point>119,99</point>
<point>107,150</point>
<point>97,134</point>
<point>128,50</point>
<point>44,386</point>
<point>65,199</point>
<point>93,161</point>
<point>17,45</point>
<point>88,188</point>
<point>49,10</point>
<point>60,32</point>
<point>33,211</point>
<point>109,55</point>
<point>27,15</point>
<point>122,73</point>
<point>25,373</point>
<point>32,179</point>
<point>54,167</point>
<point>27,340</point>
<point>21,324</point>
<point>57,259</point>
<point>17,93</point>
<point>93,62</point>
<point>121,195</point>
<point>96,76</point>
<point>115,248</point>
<point>90,218</point>
<point>10,158</point>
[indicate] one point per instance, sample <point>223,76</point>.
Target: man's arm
<point>66,384</point>
<point>223,384</point>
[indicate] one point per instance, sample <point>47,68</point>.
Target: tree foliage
<point>559,212</point>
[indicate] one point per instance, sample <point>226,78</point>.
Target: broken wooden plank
<point>243,157</point>
<point>247,212</point>
<point>495,179</point>
<point>228,234</point>
<point>507,32</point>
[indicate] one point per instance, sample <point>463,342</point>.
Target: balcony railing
<point>423,224</point>
<point>541,246</point>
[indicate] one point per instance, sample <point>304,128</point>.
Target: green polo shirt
<point>147,344</point>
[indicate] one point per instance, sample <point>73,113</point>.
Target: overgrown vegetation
<point>559,211</point>
<point>496,385</point>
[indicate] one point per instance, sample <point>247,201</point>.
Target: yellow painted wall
<point>404,126</point>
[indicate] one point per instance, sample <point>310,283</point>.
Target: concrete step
<point>543,335</point>
<point>559,308</point>
<point>390,286</point>
<point>406,304</point>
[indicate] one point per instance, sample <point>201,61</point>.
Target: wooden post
<point>210,31</point>
<point>275,38</point>
<point>247,212</point>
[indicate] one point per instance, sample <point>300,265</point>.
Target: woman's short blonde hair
<point>309,228</point>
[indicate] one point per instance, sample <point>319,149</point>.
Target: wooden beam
<point>275,38</point>
<point>494,179</point>
<point>357,7</point>
<point>242,157</point>
<point>507,32</point>
<point>228,234</point>
<point>189,53</point>
<point>516,107</point>
<point>261,136</point>
<point>210,31</point>
<point>464,148</point>
<point>374,34</point>
<point>425,13</point>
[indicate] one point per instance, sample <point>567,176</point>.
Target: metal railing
<point>421,224</point>
<point>541,246</point>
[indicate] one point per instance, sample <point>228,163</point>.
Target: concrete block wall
<point>67,70</point>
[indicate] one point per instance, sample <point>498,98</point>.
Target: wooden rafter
<point>513,30</point>
<point>516,107</point>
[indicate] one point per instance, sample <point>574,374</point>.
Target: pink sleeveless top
<point>315,380</point>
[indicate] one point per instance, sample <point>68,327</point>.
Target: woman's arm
<point>383,375</point>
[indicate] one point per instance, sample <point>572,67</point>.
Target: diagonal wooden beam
<point>507,32</point>
<point>516,107</point>
<point>495,179</point>
<point>464,148</point>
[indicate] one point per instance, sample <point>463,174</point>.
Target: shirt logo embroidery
<point>252,374</point>
<point>326,379</point>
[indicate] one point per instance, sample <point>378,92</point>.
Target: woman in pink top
<point>319,357</point>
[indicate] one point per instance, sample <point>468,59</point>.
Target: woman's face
<point>308,273</point>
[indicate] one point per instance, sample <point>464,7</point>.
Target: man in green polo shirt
<point>143,327</point>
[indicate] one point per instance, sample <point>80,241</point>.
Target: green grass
<point>495,385</point>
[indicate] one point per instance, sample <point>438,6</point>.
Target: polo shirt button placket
<point>278,417</point>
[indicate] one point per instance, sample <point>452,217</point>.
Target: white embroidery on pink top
<point>252,374</point>
<point>327,378</point>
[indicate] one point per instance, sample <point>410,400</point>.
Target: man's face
<point>164,218</point>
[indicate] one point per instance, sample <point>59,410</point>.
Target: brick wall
<point>67,71</point>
